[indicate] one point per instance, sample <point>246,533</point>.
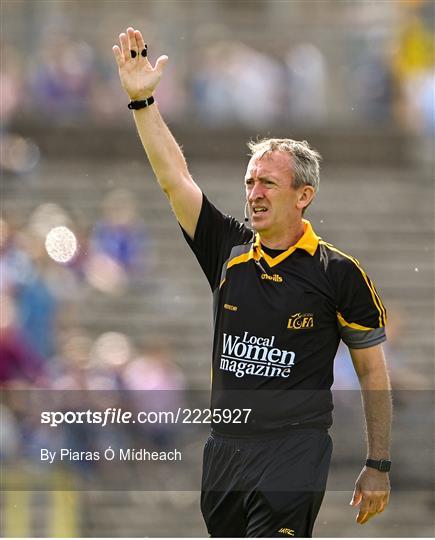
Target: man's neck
<point>292,236</point>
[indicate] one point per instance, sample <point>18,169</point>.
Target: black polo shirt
<point>278,321</point>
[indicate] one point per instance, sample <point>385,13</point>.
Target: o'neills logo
<point>289,532</point>
<point>252,355</point>
<point>300,321</point>
<point>275,277</point>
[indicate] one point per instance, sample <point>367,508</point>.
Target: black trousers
<point>265,487</point>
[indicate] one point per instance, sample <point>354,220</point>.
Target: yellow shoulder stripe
<point>244,257</point>
<point>353,325</point>
<point>376,300</point>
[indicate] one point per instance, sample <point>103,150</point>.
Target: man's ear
<point>305,196</point>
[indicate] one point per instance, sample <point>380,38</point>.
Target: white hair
<point>305,160</point>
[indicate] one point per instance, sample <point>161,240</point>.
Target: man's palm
<point>138,77</point>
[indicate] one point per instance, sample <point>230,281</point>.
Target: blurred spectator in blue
<point>236,83</point>
<point>307,84</point>
<point>345,377</point>
<point>62,78</point>
<point>426,100</point>
<point>39,282</point>
<point>35,304</point>
<point>210,90</point>
<point>16,265</point>
<point>120,235</point>
<point>37,313</point>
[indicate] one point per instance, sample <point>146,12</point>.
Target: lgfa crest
<point>301,321</point>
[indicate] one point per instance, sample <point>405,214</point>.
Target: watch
<point>383,465</point>
<point>140,104</point>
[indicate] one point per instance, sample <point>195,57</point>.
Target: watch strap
<point>383,465</point>
<point>141,104</point>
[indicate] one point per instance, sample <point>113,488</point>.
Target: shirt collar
<point>308,241</point>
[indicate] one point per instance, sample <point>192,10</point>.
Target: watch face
<point>384,465</point>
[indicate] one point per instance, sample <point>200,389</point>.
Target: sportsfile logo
<point>300,321</point>
<point>253,355</point>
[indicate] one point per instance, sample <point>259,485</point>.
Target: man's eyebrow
<point>270,177</point>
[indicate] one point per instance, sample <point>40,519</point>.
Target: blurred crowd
<point>50,269</point>
<point>387,77</point>
<point>47,271</point>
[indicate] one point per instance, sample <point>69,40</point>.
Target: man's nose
<point>256,192</point>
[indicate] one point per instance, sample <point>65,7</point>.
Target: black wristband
<point>383,465</point>
<point>141,104</point>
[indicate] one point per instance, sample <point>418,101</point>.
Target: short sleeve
<point>361,313</point>
<point>215,235</point>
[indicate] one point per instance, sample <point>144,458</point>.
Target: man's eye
<point>248,182</point>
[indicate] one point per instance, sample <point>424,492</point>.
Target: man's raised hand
<point>138,77</point>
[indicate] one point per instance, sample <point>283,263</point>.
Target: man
<point>283,298</point>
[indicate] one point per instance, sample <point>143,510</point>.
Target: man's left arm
<point>372,487</point>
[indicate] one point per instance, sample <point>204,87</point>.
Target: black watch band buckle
<point>141,104</point>
<point>383,465</point>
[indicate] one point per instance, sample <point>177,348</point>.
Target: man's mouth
<point>258,210</point>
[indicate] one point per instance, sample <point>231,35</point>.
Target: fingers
<point>160,63</point>
<point>364,517</point>
<point>118,55</point>
<point>123,40</point>
<point>371,505</point>
<point>132,44</point>
<point>366,511</point>
<point>384,503</point>
<point>142,47</point>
